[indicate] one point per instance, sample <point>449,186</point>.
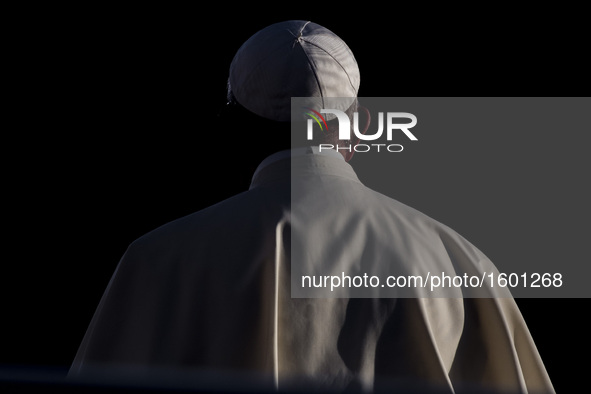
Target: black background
<point>113,125</point>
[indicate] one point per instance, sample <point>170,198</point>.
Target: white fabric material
<point>292,59</point>
<point>211,291</point>
<point>296,152</point>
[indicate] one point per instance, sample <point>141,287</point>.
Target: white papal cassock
<point>211,292</point>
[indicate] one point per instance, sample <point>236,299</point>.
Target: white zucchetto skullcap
<point>292,59</point>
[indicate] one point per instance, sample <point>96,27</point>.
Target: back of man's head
<point>291,59</point>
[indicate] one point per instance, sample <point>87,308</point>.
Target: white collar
<point>303,151</point>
